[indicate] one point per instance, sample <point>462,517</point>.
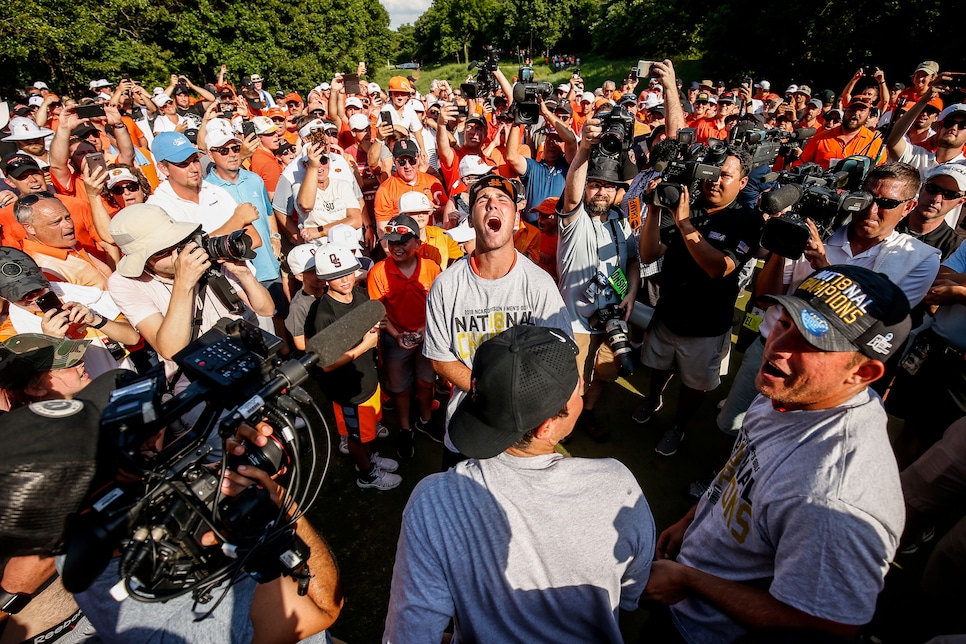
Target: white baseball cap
<point>416,105</point>
<point>306,129</point>
<point>40,85</point>
<point>358,122</point>
<point>161,99</point>
<point>473,165</point>
<point>462,232</point>
<point>954,171</point>
<point>952,109</point>
<point>353,101</point>
<point>345,235</point>
<point>414,202</point>
<point>35,101</point>
<point>373,88</point>
<point>264,125</point>
<point>119,175</point>
<point>588,97</point>
<point>337,261</point>
<point>302,258</point>
<point>218,132</point>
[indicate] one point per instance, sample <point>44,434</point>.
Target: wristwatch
<point>118,126</point>
<point>275,236</point>
<point>13,603</point>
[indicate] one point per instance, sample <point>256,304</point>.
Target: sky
<point>403,11</point>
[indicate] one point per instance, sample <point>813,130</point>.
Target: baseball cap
<point>40,85</point>
<point>952,109</point>
<point>727,97</point>
<point>337,261</point>
<point>404,221</point>
<point>833,113</point>
<point>816,103</point>
<point>264,125</point>
<point>358,122</point>
<point>172,146</point>
<point>417,105</point>
<point>119,175</point>
<point>26,129</point>
<point>38,352</point>
<point>99,83</point>
<point>35,101</point>
<point>346,235</point>
<point>712,99</point>
<point>302,258</point>
<point>804,89</point>
<point>563,87</point>
<point>353,101</point>
<point>373,88</point>
<point>477,118</point>
<point>473,165</point>
<point>702,97</point>
<point>323,86</point>
<point>17,164</point>
<point>161,99</point>
<point>929,66</point>
<point>791,89</point>
<point>765,85</point>
<point>329,126</point>
<point>935,103</point>
<point>218,132</point>
<point>19,274</point>
<point>142,230</point>
<point>414,202</point>
<point>547,207</point>
<point>292,97</point>
<point>274,112</point>
<point>566,107</point>
<point>849,308</point>
<point>405,148</point>
<point>492,181</point>
<point>859,101</point>
<point>462,232</point>
<point>587,97</point>
<point>625,99</point>
<point>311,126</point>
<point>520,378</point>
<point>954,171</point>
<point>180,89</point>
<point>399,84</point>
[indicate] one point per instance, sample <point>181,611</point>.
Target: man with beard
<point>852,137</point>
<point>597,264</point>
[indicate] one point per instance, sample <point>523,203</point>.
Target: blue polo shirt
<point>251,189</point>
<point>541,182</point>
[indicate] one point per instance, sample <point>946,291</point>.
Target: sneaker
<point>925,537</point>
<point>388,402</point>
<point>383,463</point>
<point>646,410</point>
<point>670,442</point>
<point>404,445</point>
<point>344,444</point>
<point>427,428</point>
<point>588,421</point>
<point>381,431</point>
<point>380,480</point>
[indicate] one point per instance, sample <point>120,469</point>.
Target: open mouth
<point>769,369</point>
<point>494,224</point>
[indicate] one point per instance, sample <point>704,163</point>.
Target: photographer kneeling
<point>166,283</point>
<point>597,262</point>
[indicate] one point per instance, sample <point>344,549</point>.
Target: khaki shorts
<point>595,360</point>
<point>698,361</point>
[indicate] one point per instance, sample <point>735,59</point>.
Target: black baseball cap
<point>520,378</point>
<point>478,118</point>
<point>492,181</point>
<point>405,148</point>
<point>405,221</point>
<point>18,164</point>
<point>849,308</point>
<point>19,274</point>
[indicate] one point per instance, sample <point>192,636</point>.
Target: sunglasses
<point>365,102</point>
<point>949,123</point>
<point>18,162</point>
<point>31,199</point>
<point>404,161</point>
<point>324,159</point>
<point>234,149</point>
<point>280,119</point>
<point>130,186</point>
<point>400,229</point>
<point>184,164</point>
<point>884,203</point>
<point>933,189</point>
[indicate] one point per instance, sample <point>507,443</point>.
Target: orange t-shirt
<point>73,265</point>
<point>527,241</point>
<point>266,165</point>
<point>387,196</point>
<point>404,297</point>
<point>548,254</point>
<point>708,129</point>
<point>14,235</point>
<point>827,146</point>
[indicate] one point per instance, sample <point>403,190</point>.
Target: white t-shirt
<point>164,124</point>
<point>330,204</point>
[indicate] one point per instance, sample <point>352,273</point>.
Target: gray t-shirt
<point>585,246</point>
<point>463,310</point>
<point>298,311</point>
<point>809,508</point>
<point>538,549</point>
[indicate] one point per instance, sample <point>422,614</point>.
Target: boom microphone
<point>774,201</point>
<point>334,340</point>
<point>802,133</point>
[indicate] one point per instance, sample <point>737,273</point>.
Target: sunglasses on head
<point>31,199</point>
<point>951,122</point>
<point>184,164</point>
<point>130,186</point>
<point>234,149</point>
<point>18,162</point>
<point>399,229</point>
<point>933,189</point>
<point>404,161</point>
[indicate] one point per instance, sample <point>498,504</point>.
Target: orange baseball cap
<point>548,206</point>
<point>400,84</point>
<point>936,103</point>
<point>275,111</point>
<point>292,97</point>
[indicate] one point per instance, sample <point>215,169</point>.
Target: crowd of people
<point>522,267</point>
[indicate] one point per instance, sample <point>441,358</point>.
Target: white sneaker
<point>384,464</point>
<point>344,444</point>
<point>380,480</point>
<point>381,430</point>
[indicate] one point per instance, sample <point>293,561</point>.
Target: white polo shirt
<point>215,206</point>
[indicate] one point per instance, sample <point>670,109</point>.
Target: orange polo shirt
<point>72,265</point>
<point>14,235</point>
<point>387,196</point>
<point>404,297</point>
<point>827,146</point>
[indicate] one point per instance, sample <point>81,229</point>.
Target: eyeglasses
<point>933,189</point>
<point>404,161</point>
<point>603,187</point>
<point>234,149</point>
<point>31,199</point>
<point>400,229</point>
<point>184,164</point>
<point>950,122</point>
<point>884,203</point>
<point>130,186</point>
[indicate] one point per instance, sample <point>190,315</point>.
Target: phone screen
<point>89,111</point>
<point>49,301</point>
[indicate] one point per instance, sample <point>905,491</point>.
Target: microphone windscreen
<point>803,133</point>
<point>334,340</point>
<point>774,201</point>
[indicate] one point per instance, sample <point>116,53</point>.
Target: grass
<point>594,69</point>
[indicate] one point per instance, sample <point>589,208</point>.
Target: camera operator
<point>159,281</point>
<point>597,263</point>
<point>69,441</point>
<point>702,252</point>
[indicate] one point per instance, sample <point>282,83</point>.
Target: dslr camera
<point>484,84</point>
<point>235,246</point>
<point>694,164</point>
<point>611,320</point>
<point>617,133</point>
<point>525,101</point>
